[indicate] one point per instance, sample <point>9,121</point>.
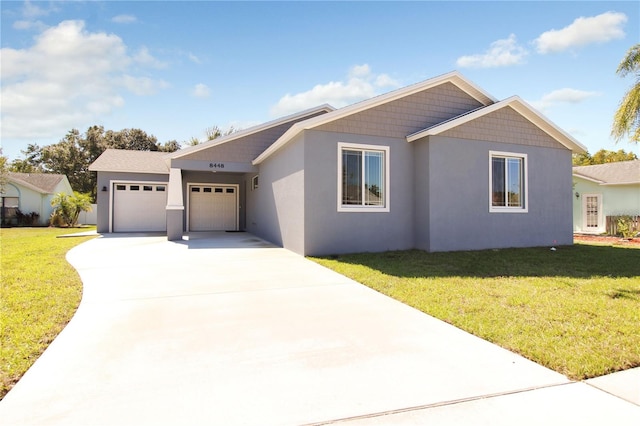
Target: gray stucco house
<point>439,165</point>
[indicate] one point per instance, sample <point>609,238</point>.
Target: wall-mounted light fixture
<point>577,194</point>
<point>104,189</point>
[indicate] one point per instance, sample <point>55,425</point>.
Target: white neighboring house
<point>31,193</point>
<point>603,190</point>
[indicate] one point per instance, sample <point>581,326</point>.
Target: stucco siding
<point>505,126</point>
<point>421,194</point>
<point>459,193</point>
<point>407,115</point>
<point>328,231</point>
<point>103,197</point>
<point>275,211</point>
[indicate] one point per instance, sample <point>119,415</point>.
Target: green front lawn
<point>575,310</point>
<point>39,294</point>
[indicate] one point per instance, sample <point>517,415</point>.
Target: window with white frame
<point>363,178</point>
<point>508,182</point>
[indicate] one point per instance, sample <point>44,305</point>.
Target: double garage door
<point>213,207</point>
<point>140,207</point>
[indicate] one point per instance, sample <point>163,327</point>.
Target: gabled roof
<point>44,183</point>
<point>325,108</point>
<point>618,173</point>
<point>124,160</point>
<point>453,77</point>
<point>518,105</point>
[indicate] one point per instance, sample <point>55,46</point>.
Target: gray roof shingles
<point>44,183</point>
<point>122,160</point>
<point>619,173</point>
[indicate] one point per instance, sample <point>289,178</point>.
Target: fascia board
<point>249,131</point>
<point>590,179</point>
<point>453,77</point>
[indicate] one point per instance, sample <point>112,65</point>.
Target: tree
<point>3,171</point>
<point>626,121</point>
<point>67,208</point>
<point>73,155</point>
<point>603,156</point>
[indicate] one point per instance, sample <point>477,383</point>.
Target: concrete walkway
<point>226,329</point>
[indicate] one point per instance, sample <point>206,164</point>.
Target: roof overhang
<point>453,77</point>
<point>519,106</point>
<point>326,108</point>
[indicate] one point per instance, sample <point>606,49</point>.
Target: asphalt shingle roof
<point>618,173</point>
<point>42,182</point>
<point>122,160</point>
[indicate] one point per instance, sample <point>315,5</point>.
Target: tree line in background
<point>73,155</point>
<point>602,157</point>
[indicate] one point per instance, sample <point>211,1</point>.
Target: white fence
<point>89,218</point>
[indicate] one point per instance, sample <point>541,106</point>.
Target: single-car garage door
<point>213,207</point>
<point>139,207</point>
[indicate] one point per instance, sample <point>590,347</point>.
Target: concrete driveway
<point>225,329</point>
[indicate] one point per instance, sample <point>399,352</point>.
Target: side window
<point>363,178</point>
<point>508,182</point>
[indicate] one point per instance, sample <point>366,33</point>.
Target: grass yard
<point>39,294</point>
<point>575,310</point>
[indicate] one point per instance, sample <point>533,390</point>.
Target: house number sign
<point>216,165</point>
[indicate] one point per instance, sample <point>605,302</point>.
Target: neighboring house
<point>602,190</point>
<point>31,193</point>
<point>439,165</point>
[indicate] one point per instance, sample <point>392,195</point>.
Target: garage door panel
<point>139,207</point>
<point>213,208</point>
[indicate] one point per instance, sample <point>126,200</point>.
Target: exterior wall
<point>459,214</point>
<point>208,177</point>
<point>275,211</point>
<point>246,149</point>
<point>408,115</point>
<point>421,177</point>
<point>616,200</point>
<point>328,231</point>
<point>103,197</point>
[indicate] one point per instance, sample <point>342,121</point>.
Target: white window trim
<point>525,183</point>
<point>364,209</point>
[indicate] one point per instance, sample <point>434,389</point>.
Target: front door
<point>592,218</point>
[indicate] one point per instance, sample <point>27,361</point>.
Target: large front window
<point>508,182</point>
<point>363,178</point>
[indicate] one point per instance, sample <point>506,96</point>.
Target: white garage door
<point>213,208</point>
<point>139,207</point>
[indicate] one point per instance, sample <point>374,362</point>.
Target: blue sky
<point>173,69</point>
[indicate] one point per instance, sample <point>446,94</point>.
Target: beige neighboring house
<point>603,190</point>
<point>31,193</point>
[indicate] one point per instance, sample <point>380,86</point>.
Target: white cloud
<point>360,84</point>
<point>583,31</point>
<point>501,53</point>
<point>124,19</point>
<point>143,57</point>
<point>201,91</point>
<point>563,96</point>
<point>30,10</point>
<point>193,58</point>
<point>29,25</point>
<point>68,78</point>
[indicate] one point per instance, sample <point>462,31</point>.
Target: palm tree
<point>67,208</point>
<point>626,120</point>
